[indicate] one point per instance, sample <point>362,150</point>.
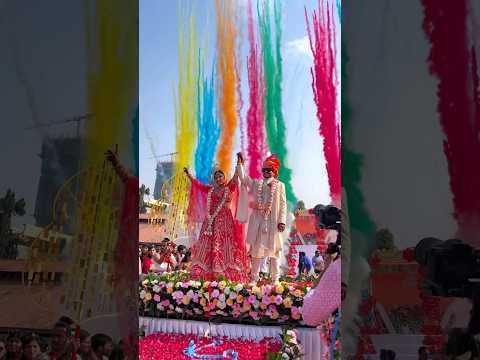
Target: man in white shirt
<point>318,263</point>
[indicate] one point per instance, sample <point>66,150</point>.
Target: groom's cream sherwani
<point>263,243</point>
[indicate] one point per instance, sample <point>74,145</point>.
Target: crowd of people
<point>66,341</point>
<point>164,257</point>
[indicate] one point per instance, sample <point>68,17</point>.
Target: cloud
<point>299,47</point>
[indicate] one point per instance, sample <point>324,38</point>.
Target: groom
<point>268,218</point>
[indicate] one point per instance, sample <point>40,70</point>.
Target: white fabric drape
<point>309,338</point>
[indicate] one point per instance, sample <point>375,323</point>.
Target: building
<point>60,161</point>
<point>164,172</point>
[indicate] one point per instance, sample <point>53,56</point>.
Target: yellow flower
<point>145,282</point>
<point>279,289</point>
<point>203,302</point>
<point>169,290</point>
<point>263,306</point>
<point>239,298</point>
<point>229,302</point>
<point>287,302</point>
<point>185,300</point>
<point>222,285</point>
<point>274,316</point>
<point>272,298</point>
<point>256,290</point>
<point>148,296</point>
<point>298,293</point>
<point>247,306</point>
<point>206,284</point>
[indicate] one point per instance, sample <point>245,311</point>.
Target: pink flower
<point>165,302</point>
<point>236,307</point>
<point>266,300</point>
<point>278,300</point>
<point>215,293</point>
<point>253,314</point>
<point>185,285</point>
<point>251,299</point>
<point>213,284</point>
<point>177,295</point>
<point>156,297</point>
<point>284,318</point>
<point>272,308</point>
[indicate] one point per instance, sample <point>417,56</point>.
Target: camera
<point>452,267</point>
<point>329,217</point>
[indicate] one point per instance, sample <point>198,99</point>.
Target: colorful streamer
<point>324,86</point>
<point>255,126</point>
<point>226,85</point>
<point>453,61</point>
<point>185,116</point>
<point>272,62</point>
<point>208,128</point>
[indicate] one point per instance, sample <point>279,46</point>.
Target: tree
<point>300,205</point>
<point>384,240</point>
<point>9,207</point>
<point>143,190</point>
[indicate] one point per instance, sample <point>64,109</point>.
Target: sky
<point>158,80</point>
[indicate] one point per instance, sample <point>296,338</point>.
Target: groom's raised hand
<point>239,158</point>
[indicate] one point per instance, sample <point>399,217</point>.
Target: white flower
<point>142,294</point>
<point>160,307</point>
<point>191,283</point>
<point>291,333</point>
<point>197,311</point>
<point>256,304</point>
<point>178,284</point>
<point>170,284</point>
<point>227,291</point>
<point>239,287</point>
<point>285,356</point>
<point>233,295</point>
<point>171,307</point>
<point>221,305</point>
<point>156,288</point>
<point>213,284</point>
<point>179,310</point>
<point>155,281</point>
<point>221,298</point>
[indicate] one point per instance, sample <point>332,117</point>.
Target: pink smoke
<point>324,78</point>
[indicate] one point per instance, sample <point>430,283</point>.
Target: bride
<point>220,248</point>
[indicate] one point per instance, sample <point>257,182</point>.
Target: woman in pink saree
<point>220,248</point>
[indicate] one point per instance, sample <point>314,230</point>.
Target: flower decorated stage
<point>171,304</point>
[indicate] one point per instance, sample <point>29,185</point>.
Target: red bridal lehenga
<point>220,247</point>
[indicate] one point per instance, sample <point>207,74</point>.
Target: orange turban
<point>272,162</point>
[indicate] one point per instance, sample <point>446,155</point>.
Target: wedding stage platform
<point>308,337</point>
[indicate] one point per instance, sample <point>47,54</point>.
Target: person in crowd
<point>304,264</point>
<point>85,349</point>
<point>14,346</point>
<point>186,261</point>
<point>144,251</point>
<point>461,345</point>
<point>147,262</point>
<point>179,254</point>
<point>102,346</point>
<point>318,263</point>
<point>220,248</point>
<point>3,349</point>
<point>387,354</point>
<point>422,353</point>
<point>63,344</point>
<point>164,260</point>
<point>32,348</point>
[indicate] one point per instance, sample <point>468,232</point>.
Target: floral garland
<point>173,296</point>
<point>290,349</point>
<point>266,207</point>
<point>327,332</point>
<point>211,217</point>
